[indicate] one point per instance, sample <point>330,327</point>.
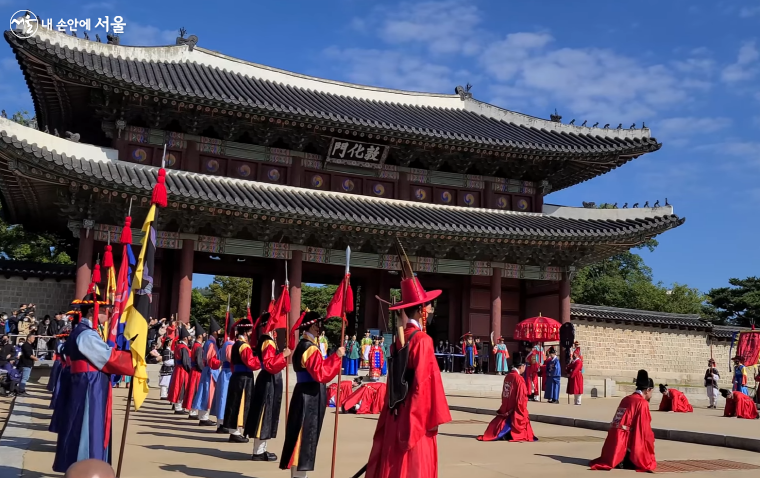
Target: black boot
<point>207,423</point>
<point>266,456</point>
<point>223,430</point>
<point>238,439</point>
<point>181,412</point>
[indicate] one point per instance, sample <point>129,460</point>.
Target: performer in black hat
<point>182,367</point>
<point>264,416</point>
<point>512,422</point>
<point>244,363</point>
<point>196,368</point>
<point>307,405</point>
<point>209,374</point>
<point>630,440</point>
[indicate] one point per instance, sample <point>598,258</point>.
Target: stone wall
<point>49,296</point>
<point>618,351</point>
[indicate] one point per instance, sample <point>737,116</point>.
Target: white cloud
<point>147,35</point>
<point>678,131</point>
<point>747,12</point>
<point>745,67</point>
<point>390,69</point>
<point>444,27</point>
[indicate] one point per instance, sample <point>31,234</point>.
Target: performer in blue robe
<point>553,374</point>
<point>209,375</point>
<point>222,381</point>
<point>740,376</point>
<point>55,370</point>
<point>84,423</point>
<point>62,387</point>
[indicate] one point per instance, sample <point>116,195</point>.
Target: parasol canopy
<point>537,329</point>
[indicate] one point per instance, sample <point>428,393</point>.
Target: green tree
<point>22,117</point>
<point>20,245</point>
<point>738,304</point>
<point>212,301</point>
<point>316,298</point>
<point>624,280</point>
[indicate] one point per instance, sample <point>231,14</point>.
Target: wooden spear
<point>346,282</point>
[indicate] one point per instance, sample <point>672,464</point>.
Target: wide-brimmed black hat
<point>724,392</point>
<point>213,326</point>
<point>663,388</point>
<point>263,319</point>
<point>309,319</point>
<point>643,382</point>
<point>243,324</point>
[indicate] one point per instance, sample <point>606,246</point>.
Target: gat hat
<point>263,320</point>
<point>199,329</point>
<point>412,292</point>
<point>663,388</point>
<point>183,333</point>
<point>552,350</point>
<point>310,318</point>
<point>214,326</point>
<point>724,392</point>
<point>643,382</point>
<point>244,323</point>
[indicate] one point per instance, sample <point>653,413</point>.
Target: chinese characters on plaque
<point>356,153</point>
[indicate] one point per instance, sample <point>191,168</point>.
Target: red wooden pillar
<point>371,289</point>
<point>564,299</point>
<point>84,262</point>
<point>185,280</point>
<point>295,276</point>
<point>496,302</point>
<point>296,171</point>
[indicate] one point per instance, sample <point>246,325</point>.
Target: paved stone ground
<point>161,444</point>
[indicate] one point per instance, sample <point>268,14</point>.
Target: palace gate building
<point>267,166</point>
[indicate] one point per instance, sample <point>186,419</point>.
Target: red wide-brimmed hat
<point>413,294</point>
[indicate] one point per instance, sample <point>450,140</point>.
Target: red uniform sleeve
<point>250,361</point>
<point>120,363</point>
<point>272,361</point>
<point>321,370</point>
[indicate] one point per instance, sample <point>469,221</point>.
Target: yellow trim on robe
<point>243,347</point>
<point>261,420</point>
<point>297,449</point>
<point>266,344</point>
<point>308,353</point>
<point>241,412</point>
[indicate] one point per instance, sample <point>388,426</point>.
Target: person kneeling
<point>630,440</point>
<point>512,422</point>
<point>674,401</point>
<point>738,405</point>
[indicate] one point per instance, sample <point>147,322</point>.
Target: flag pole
<point>340,370</point>
<point>159,199</point>
<point>124,432</point>
<point>287,360</point>
<point>227,316</point>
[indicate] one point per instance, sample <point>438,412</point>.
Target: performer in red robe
<point>575,376</point>
<point>674,401</point>
<point>738,405</point>
<point>346,389</point>
<point>512,422</point>
<point>405,444</point>
<point>630,440</point>
<point>533,363</point>
<point>196,369</point>
<point>181,372</point>
<point>368,399</point>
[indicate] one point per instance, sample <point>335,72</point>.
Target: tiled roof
<point>727,331</point>
<point>615,314</point>
<point>230,81</point>
<point>305,204</point>
<point>27,269</point>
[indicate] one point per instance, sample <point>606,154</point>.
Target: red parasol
<point>537,329</point>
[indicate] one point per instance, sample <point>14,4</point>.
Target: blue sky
<point>690,70</point>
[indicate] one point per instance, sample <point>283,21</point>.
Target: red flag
<point>342,301</point>
<point>279,315</point>
<point>122,294</point>
<point>294,330</point>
